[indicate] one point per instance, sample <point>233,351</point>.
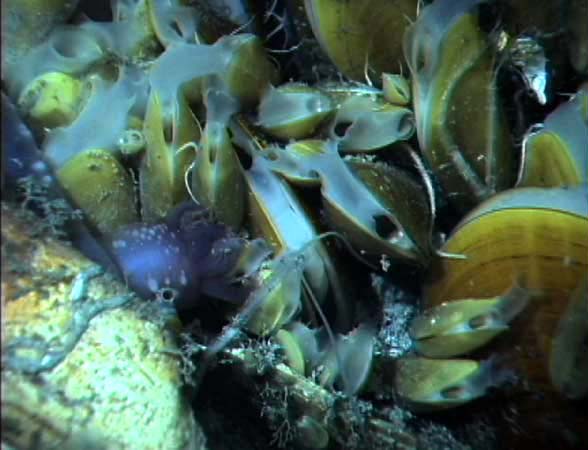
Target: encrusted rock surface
<point>81,365</point>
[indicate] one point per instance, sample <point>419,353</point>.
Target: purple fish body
<point>151,259</point>
<point>180,259</point>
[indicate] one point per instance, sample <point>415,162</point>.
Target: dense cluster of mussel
<point>207,175</point>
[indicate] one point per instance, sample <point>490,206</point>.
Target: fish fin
<point>493,372</point>
<point>516,299</point>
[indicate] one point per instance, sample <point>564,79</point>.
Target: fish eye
<point>453,393</point>
<point>167,294</point>
<point>481,321</point>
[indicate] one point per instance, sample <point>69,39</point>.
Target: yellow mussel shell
<point>276,214</point>
<point>163,167</point>
<point>282,300</point>
<point>356,33</point>
<point>249,72</point>
<point>292,351</point>
<point>379,208</point>
<point>557,154</point>
<point>396,89</point>
<point>461,127</point>
<point>100,186</point>
<point>539,233</point>
<point>293,111</point>
<point>217,181</point>
<point>51,100</point>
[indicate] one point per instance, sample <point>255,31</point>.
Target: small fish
<point>349,361</point>
<point>185,256</point>
<point>433,384</point>
<point>491,373</point>
<point>457,327</point>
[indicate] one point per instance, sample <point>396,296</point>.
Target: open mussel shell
<point>291,161</point>
<point>381,210</point>
<point>359,34</point>
<point>460,326</point>
<point>172,22</point>
<point>26,23</point>
<point>281,303</point>
<point>557,154</point>
<point>293,111</point>
<point>217,181</point>
<point>292,351</point>
<point>276,214</point>
<point>461,127</point>
<point>163,166</point>
<point>300,346</point>
<point>396,89</point>
<point>100,186</point>
<point>364,123</point>
<point>539,235</point>
<point>249,72</point>
<point>99,125</point>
